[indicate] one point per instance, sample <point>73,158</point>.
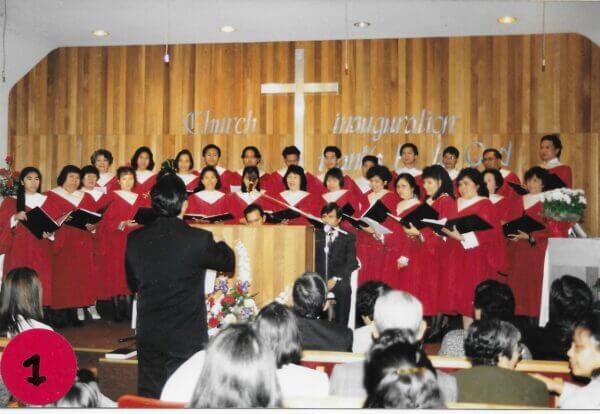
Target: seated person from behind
<point>254,215</point>
<point>366,296</point>
<point>494,349</point>
<point>310,303</point>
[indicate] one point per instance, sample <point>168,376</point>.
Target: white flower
<point>249,303</point>
<point>217,307</point>
<point>229,319</point>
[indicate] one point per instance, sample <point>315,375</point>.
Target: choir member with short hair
<point>362,183</point>
<point>550,150</point>
<point>291,156</point>
<point>492,159</point>
<point>250,193</point>
<point>449,160</point>
<point>409,153</point>
<point>102,159</point>
<point>254,215</point>
<point>332,156</point>
<point>184,167</point>
<point>142,163</point>
<point>212,155</point>
<point>334,181</point>
<point>208,200</point>
<point>295,195</point>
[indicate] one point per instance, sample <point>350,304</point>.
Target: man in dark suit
<point>317,333</point>
<point>335,259</point>
<point>166,263</point>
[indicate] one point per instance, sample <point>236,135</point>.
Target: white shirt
<point>576,397</point>
<point>415,172</point>
<point>27,324</point>
<point>554,162</point>
<point>363,339</point>
<point>453,173</point>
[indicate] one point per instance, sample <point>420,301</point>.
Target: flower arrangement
<point>9,178</point>
<point>564,204</point>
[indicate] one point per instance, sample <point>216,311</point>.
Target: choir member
<point>334,181</point>
<point>208,200</point>
<point>142,163</point>
<point>409,154</point>
<point>73,284</point>
<point>527,251</point>
<point>184,166</point>
<point>492,158</point>
<point>550,150</point>
<point>250,193</point>
<point>362,183</point>
<point>212,154</point>
<point>102,159</point>
<point>251,157</point>
<point>431,250</point>
<point>254,215</point>
<point>470,252</point>
<point>332,156</point>
<point>449,160</point>
<point>20,246</point>
<point>295,195</point>
<point>369,246</point>
<point>291,156</point>
<point>116,224</point>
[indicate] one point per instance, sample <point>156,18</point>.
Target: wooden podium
<point>278,254</point>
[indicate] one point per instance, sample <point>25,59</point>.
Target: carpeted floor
<point>98,334</point>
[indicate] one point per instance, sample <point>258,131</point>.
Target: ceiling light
<point>362,25</point>
<point>100,33</point>
<point>507,19</point>
<point>227,29</point>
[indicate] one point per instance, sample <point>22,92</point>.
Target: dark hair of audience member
<point>412,183</point>
<point>477,178</point>
<point>239,371</point>
<point>21,295</point>
<point>570,298</point>
<point>209,147</point>
<point>21,188</point>
<point>277,328</point>
<point>380,171</point>
<point>208,168</point>
<point>498,179</point>
<point>439,173</point>
<point>366,296</point>
<point>85,393</point>
<point>299,171</point>
<point>136,155</point>
<point>495,300</point>
<point>369,158</point>
<point>309,294</point>
<point>452,151</point>
<point>290,150</point>
<point>329,207</point>
<point>336,173</point>
<point>251,172</point>
<point>398,374</point>
<point>540,173</point>
<point>66,170</point>
<point>104,153</point>
<point>182,153</point>
<point>555,140</point>
<point>590,322</point>
<point>168,195</point>
<point>487,340</point>
<point>334,149</point>
<point>254,207</point>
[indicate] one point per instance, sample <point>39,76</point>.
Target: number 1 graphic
<point>34,362</point>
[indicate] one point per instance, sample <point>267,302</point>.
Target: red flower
<point>228,300</point>
<point>213,322</point>
<point>10,184</point>
<point>211,301</point>
<point>15,174</point>
<point>9,159</point>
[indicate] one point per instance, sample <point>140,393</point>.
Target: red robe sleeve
<point>7,210</point>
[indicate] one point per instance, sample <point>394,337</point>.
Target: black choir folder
<point>464,224</point>
<point>210,219</point>
<point>554,182</point>
<point>524,223</point>
<point>518,188</point>
<point>81,217</point>
<point>278,216</point>
<point>376,214</point>
<point>39,222</point>
<point>415,217</point>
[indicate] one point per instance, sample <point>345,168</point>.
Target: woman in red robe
<point>184,166</point>
<point>550,150</point>
<point>296,196</point>
<point>409,154</point>
<point>212,154</point>
<point>73,284</point>
<point>470,252</point>
<point>113,229</point>
<point>142,163</point>
<point>102,159</point>
<point>337,193</point>
<point>208,200</point>
<point>250,193</point>
<point>369,247</point>
<point>20,246</point>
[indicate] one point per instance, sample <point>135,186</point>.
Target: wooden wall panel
<point>79,99</point>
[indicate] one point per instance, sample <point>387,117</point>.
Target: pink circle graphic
<point>38,366</point>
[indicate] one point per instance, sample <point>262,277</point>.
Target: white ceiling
<point>70,22</point>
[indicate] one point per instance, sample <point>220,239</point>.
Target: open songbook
<point>211,219</point>
<point>518,188</point>
<point>464,224</point>
<point>39,222</point>
<point>524,223</point>
<point>416,217</point>
<point>375,215</point>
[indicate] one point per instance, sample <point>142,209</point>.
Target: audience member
<point>84,393</point>
<point>366,296</point>
<point>494,349</point>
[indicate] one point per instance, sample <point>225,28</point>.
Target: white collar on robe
<point>34,200</point>
<point>282,171</point>
<point>293,197</point>
<point>249,198</point>
<point>406,204</point>
<point>333,196</point>
<point>143,176</point>
<point>96,193</point>
<point>220,169</point>
<point>530,200</point>
<point>554,162</point>
<point>128,196</point>
<point>463,203</point>
<point>453,173</point>
<point>260,172</point>
<point>374,197</point>
<point>74,198</point>
<point>415,172</point>
<point>495,198</point>
<point>104,178</point>
<point>187,178</point>
<point>210,197</point>
<point>504,172</point>
<point>363,184</point>
<point>321,177</point>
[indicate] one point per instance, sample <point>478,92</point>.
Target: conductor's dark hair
<point>329,207</point>
<point>180,154</point>
<point>452,151</point>
<point>497,176</point>
<point>439,173</point>
<point>366,296</point>
<point>168,195</point>
<point>137,154</point>
<point>380,171</point>
<point>66,170</point>
<point>369,158</point>
<point>487,340</point>
<point>309,293</point>
<point>398,374</point>
<point>89,169</point>
<point>495,299</point>
<point>411,182</point>
<point>211,146</point>
<point>291,150</point>
<point>409,145</point>
<point>250,171</point>
<point>556,142</point>
<point>334,172</point>
<point>208,168</point>
<point>21,189</point>
<point>570,298</point>
<point>477,179</point>
<point>253,149</point>
<point>295,169</point>
<point>334,149</point>
<point>105,153</point>
<point>124,170</point>
<point>497,154</point>
<point>254,207</point>
<point>20,296</point>
<point>277,327</point>
<point>538,172</point>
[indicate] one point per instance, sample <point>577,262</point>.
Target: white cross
<point>299,88</point>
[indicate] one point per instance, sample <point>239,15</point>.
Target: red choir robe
<point>101,201</point>
<point>467,268</point>
<point>208,203</point>
<point>341,198</point>
<point>563,172</point>
<point>228,179</point>
<point>372,252</point>
<point>349,184</point>
<point>234,180</point>
<point>144,181</point>
<point>73,284</point>
<point>22,248</point>
<point>122,206</point>
<point>302,200</point>
<point>505,210</point>
<point>190,180</point>
<point>107,182</point>
<point>238,202</point>
<point>509,177</point>
<point>416,173</point>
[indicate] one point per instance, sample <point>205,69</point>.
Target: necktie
<point>330,239</point>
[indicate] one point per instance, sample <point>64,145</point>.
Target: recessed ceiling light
<point>100,33</point>
<point>507,19</point>
<point>362,25</point>
<point>227,29</point>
